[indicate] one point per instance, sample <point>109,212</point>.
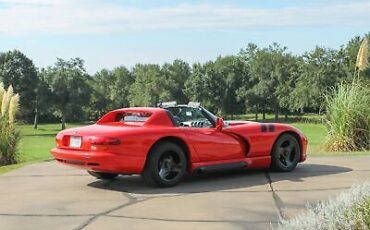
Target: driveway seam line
<point>277,200</point>
<point>197,221</point>
<point>46,215</point>
<point>132,201</point>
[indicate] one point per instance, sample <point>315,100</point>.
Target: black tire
<point>166,165</point>
<point>102,175</point>
<point>286,153</point>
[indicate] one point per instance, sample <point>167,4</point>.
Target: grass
<point>317,134</point>
<point>7,168</point>
<point>347,116</point>
<point>311,118</point>
<point>36,144</point>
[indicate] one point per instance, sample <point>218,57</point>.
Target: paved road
<point>52,196</point>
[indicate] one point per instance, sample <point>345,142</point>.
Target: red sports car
<point>164,144</point>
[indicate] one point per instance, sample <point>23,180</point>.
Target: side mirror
<point>219,124</point>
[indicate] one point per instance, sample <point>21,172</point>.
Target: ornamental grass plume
<point>7,96</point>
<point>362,62</point>
<point>13,108</point>
<point>9,133</point>
<point>2,91</point>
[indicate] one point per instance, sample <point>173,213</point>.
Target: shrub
<point>348,117</point>
<point>348,211</point>
<point>9,135</point>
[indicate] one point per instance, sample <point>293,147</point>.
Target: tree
<point>43,97</point>
<point>203,86</point>
<point>18,70</point>
<point>176,75</point>
<point>68,82</point>
<point>111,91</point>
<point>123,81</point>
<point>215,84</point>
<point>231,70</point>
<point>244,93</point>
<point>319,70</point>
<point>272,74</point>
<point>149,87</point>
<point>101,101</point>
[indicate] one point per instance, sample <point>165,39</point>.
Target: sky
<point>110,33</point>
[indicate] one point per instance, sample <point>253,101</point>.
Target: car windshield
<point>211,115</point>
<point>192,116</point>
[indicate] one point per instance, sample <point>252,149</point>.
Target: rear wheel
<point>286,153</point>
<point>166,165</point>
<point>103,176</point>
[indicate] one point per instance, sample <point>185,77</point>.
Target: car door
<point>212,145</point>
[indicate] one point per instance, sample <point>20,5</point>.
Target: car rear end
<point>100,148</point>
<point>117,143</point>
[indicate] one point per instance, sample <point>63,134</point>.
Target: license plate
<point>75,142</point>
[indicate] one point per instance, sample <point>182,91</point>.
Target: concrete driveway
<point>52,196</point>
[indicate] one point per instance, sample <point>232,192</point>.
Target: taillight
<point>102,143</point>
<point>60,140</point>
<point>105,141</point>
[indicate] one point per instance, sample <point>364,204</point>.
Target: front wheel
<point>103,176</point>
<point>285,153</point>
<point>166,165</point>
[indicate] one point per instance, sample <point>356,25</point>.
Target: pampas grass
<point>347,110</point>
<point>348,211</point>
<point>362,62</point>
<point>1,93</point>
<point>9,134</point>
<point>13,108</point>
<point>348,117</point>
<point>7,96</point>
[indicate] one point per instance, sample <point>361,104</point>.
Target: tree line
<point>255,80</point>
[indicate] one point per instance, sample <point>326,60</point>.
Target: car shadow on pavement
<point>249,180</point>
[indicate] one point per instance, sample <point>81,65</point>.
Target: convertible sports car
<point>164,144</point>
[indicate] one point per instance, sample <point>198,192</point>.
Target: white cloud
<point>97,16</point>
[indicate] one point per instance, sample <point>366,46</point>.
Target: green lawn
<point>36,144</point>
<point>316,134</point>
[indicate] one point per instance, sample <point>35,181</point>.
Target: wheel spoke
<point>281,151</point>
<point>292,150</point>
<point>289,148</point>
<point>170,166</point>
<point>177,168</point>
<point>283,160</point>
<point>163,173</point>
<point>170,159</point>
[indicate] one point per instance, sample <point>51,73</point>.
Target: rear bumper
<point>99,161</point>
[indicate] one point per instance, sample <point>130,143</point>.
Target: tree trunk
<point>286,117</point>
<point>63,121</point>
<point>256,116</point>
<point>35,121</point>
<point>276,115</point>
<point>263,114</point>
